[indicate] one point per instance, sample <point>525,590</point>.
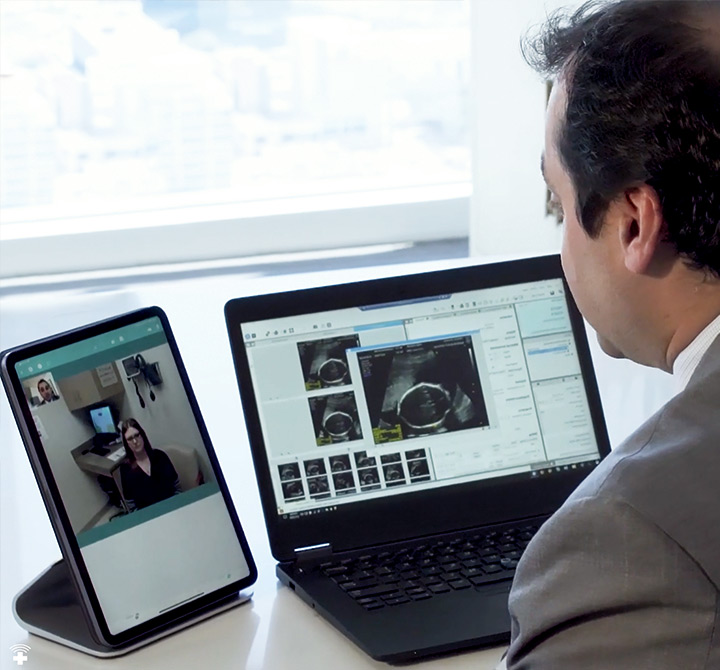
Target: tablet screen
<point>135,477</point>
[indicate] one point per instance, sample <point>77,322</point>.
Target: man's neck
<point>686,332</point>
<point>689,358</point>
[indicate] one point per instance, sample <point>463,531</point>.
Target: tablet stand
<point>49,607</point>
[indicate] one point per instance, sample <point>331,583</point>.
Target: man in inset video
<point>627,574</point>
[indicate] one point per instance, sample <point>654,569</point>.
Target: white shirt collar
<point>689,358</point>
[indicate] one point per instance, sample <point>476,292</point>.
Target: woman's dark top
<point>141,490</point>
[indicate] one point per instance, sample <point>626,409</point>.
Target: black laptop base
<point>469,619</point>
<point>411,601</point>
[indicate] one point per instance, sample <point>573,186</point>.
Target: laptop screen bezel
<point>413,514</point>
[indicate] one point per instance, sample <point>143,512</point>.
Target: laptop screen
<point>381,400</point>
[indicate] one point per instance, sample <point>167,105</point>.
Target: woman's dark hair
<point>133,423</point>
<point>643,106</point>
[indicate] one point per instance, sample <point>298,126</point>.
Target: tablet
<point>128,474</point>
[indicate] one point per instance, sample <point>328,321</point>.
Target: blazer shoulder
<point>669,470</point>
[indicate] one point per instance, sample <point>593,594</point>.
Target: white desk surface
<point>276,630</point>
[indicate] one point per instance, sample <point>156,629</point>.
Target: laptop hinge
<point>313,553</point>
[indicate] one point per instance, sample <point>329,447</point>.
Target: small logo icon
<point>20,653</point>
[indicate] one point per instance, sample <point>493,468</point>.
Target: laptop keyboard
<point>424,571</point>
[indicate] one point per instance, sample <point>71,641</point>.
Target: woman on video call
<point>148,476</point>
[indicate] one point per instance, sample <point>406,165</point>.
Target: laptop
<point>410,435</point>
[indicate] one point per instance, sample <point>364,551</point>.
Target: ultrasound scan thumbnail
<point>422,388</point>
<point>394,475</point>
<point>344,483</point>
<point>335,418</point>
<point>293,490</point>
<point>314,467</point>
<point>339,463</point>
<point>318,487</point>
<point>362,460</point>
<point>418,470</point>
<point>324,362</point>
<point>369,479</point>
<point>289,471</point>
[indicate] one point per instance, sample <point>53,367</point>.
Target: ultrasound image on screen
<point>362,460</point>
<point>344,483</point>
<point>418,470</point>
<point>339,463</point>
<point>335,418</point>
<point>318,487</point>
<point>422,388</point>
<point>289,471</point>
<point>324,362</point>
<point>315,467</point>
<point>293,490</point>
<point>369,479</point>
<point>394,474</point>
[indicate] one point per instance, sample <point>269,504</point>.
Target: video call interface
<point>375,401</point>
<point>143,535</point>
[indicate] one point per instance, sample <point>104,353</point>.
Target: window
<point>125,116</point>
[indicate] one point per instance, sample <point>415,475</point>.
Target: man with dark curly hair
<point>627,573</point>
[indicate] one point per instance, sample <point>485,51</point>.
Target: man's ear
<point>640,227</point>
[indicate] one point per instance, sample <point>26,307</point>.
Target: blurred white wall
<point>508,114</point>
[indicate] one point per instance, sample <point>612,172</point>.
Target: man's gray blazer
<point>627,573</point>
